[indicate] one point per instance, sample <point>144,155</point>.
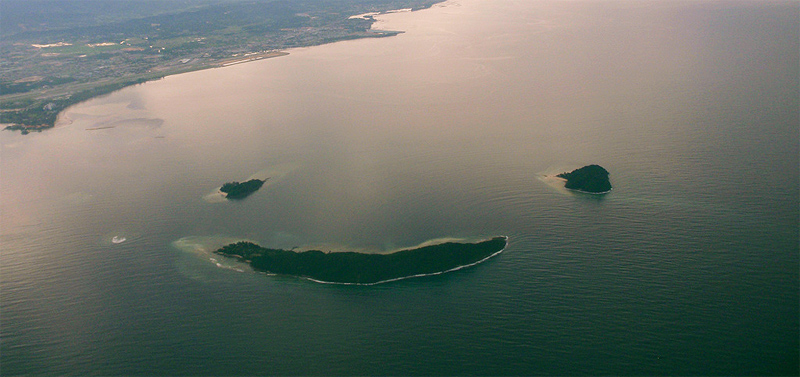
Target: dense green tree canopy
<point>361,268</point>
<point>592,179</point>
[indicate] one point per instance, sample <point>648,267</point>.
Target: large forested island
<point>362,268</point>
<point>55,53</point>
<point>591,179</point>
<point>235,190</point>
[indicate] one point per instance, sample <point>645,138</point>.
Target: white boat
<point>118,239</point>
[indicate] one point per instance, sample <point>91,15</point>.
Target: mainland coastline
<point>33,101</point>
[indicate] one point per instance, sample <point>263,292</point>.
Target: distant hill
<point>22,19</point>
<point>18,16</point>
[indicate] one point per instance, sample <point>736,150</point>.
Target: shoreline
<point>50,104</point>
<point>576,190</point>
<point>354,268</point>
<point>102,88</point>
<point>410,276</point>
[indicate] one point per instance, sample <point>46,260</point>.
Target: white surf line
<point>589,192</point>
<point>411,276</point>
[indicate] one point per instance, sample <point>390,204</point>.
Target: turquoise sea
<point>450,130</point>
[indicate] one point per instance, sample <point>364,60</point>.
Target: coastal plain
<point>50,64</point>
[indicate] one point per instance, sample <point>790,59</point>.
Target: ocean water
<point>452,129</point>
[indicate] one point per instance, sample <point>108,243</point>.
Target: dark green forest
<point>591,178</point>
<point>361,268</point>
<point>235,190</point>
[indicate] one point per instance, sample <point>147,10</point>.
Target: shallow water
<point>689,266</point>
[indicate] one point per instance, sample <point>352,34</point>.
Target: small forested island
<point>362,268</point>
<point>591,179</point>
<point>235,190</point>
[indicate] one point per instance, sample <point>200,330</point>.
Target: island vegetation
<point>235,190</point>
<point>363,268</point>
<point>591,179</point>
<point>57,53</point>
